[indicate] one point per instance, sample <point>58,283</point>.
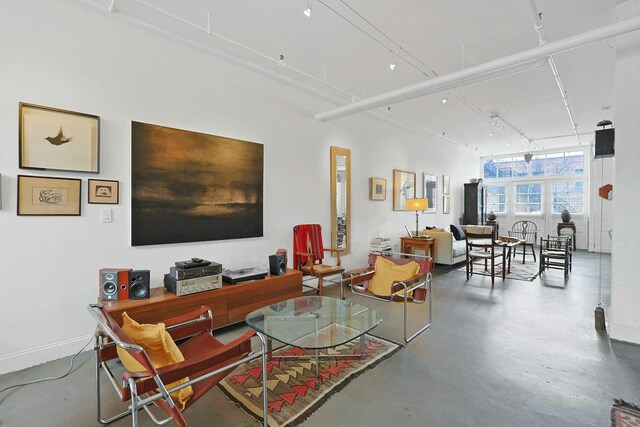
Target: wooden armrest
<point>359,276</point>
<point>333,250</point>
<point>194,314</point>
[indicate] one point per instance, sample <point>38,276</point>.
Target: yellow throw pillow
<point>160,348</point>
<point>388,271</point>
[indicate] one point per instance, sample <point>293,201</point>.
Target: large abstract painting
<point>189,186</point>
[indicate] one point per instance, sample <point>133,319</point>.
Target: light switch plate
<point>105,215</point>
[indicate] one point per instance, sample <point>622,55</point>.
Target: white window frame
<point>515,199</point>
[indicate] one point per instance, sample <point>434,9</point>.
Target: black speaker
<point>139,284</point>
<point>605,139</point>
<point>108,280</point>
<point>277,264</point>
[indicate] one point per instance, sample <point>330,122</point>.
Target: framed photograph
<point>446,204</point>
<point>430,191</point>
<point>103,191</point>
<point>377,189</point>
<point>445,184</point>
<point>404,187</point>
<point>43,195</point>
<point>54,139</point>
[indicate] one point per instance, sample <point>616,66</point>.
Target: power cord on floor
<point>52,378</point>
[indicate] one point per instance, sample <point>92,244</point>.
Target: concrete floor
<point>522,354</point>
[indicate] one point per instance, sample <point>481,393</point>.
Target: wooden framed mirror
<point>341,199</point>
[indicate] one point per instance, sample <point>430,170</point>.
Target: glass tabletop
<point>314,322</point>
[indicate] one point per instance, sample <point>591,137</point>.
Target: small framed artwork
<point>42,195</point>
<point>445,184</point>
<point>446,204</point>
<point>54,139</point>
<point>103,191</point>
<point>377,189</point>
<point>404,187</point>
<point>430,191</point>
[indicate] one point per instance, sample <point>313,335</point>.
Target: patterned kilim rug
<point>292,396</point>
<point>519,271</point>
<point>624,414</point>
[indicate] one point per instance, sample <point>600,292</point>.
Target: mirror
<point>430,192</point>
<point>341,199</point>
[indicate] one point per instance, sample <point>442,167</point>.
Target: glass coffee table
<point>313,323</point>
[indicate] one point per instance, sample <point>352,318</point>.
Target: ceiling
<point>343,50</point>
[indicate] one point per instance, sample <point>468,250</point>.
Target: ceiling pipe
<point>542,39</point>
<point>480,72</point>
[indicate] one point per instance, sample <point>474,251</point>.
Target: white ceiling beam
<point>492,69</point>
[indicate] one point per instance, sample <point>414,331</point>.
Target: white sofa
<point>450,251</point>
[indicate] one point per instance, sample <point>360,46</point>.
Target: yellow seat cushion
<point>160,348</point>
<point>386,272</point>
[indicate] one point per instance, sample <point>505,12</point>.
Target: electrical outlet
<point>105,215</point>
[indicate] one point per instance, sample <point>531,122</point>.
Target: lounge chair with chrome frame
<point>206,362</point>
<point>414,289</point>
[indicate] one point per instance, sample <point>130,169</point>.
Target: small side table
<point>570,226</point>
<point>427,244</point>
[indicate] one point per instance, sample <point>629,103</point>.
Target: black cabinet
<point>475,204</point>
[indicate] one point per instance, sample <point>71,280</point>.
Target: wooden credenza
<point>230,304</point>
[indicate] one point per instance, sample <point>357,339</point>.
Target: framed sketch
<point>377,189</point>
<point>42,195</point>
<point>54,139</point>
<point>446,204</point>
<point>430,191</point>
<point>445,184</point>
<point>103,191</point>
<point>404,187</point>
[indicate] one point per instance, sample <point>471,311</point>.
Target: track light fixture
<point>392,66</point>
<point>307,11</point>
<point>444,100</point>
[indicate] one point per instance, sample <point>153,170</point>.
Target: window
<point>550,164</point>
<point>528,198</point>
<point>490,169</point>
<point>574,163</point>
<point>497,199</point>
<point>504,168</point>
<point>568,195</point>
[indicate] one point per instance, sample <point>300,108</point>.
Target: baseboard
<point>37,355</point>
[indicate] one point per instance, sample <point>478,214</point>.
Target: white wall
<point>624,321</point>
<point>61,55</point>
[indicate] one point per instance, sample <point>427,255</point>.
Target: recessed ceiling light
<point>307,12</point>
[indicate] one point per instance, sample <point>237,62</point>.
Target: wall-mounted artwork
<point>430,191</point>
<point>56,139</point>
<point>189,186</point>
<point>377,189</point>
<point>404,187</point>
<point>445,184</point>
<point>43,195</point>
<point>446,204</point>
<point>103,191</point>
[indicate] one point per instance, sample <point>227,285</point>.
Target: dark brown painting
<point>190,187</point>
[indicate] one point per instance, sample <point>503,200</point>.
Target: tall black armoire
<point>475,204</point>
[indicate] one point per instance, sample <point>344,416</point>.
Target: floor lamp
<point>417,205</point>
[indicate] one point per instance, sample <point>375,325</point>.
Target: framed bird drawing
<point>55,139</point>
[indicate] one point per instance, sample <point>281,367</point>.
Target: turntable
<point>244,272</point>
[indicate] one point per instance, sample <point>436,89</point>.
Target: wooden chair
<point>527,231</point>
<point>415,289</point>
<point>206,362</point>
<point>309,252</point>
<point>555,252</point>
<point>483,247</point>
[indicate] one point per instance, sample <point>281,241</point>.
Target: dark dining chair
<point>527,231</point>
<point>483,247</point>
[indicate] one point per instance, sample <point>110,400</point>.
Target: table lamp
<point>417,205</point>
